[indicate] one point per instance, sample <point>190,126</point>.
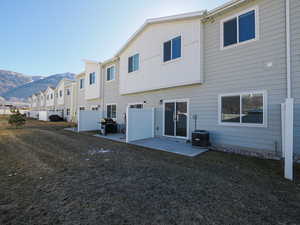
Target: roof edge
<point>223,7</point>
<point>159,20</point>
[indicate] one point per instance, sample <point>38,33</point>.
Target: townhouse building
<point>92,85</point>
<point>50,98</point>
<point>42,100</point>
<point>223,71</point>
<point>34,101</point>
<point>65,98</point>
<point>81,84</point>
<point>226,71</point>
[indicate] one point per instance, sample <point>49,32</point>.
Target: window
<point>95,108</point>
<point>136,106</point>
<point>81,83</point>
<point>68,92</point>
<point>51,96</point>
<point>111,111</point>
<point>92,78</point>
<point>81,108</point>
<point>47,97</point>
<point>110,73</point>
<point>133,63</point>
<point>240,28</point>
<point>60,93</point>
<point>245,108</point>
<point>172,49</point>
<point>68,112</point>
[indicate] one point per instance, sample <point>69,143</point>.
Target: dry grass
<point>47,176</point>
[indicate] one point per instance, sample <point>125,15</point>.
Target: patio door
<point>176,118</point>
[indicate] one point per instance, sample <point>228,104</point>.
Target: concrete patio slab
<point>171,145</point>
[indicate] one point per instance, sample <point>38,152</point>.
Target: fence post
<point>127,125</point>
<point>289,139</point>
<point>78,120</point>
<point>283,112</point>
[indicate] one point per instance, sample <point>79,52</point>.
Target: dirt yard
<point>52,176</point>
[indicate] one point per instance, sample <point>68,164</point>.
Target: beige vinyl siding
<point>81,102</point>
<point>295,53</point>
<point>241,69</point>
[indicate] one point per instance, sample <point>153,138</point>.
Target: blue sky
<point>44,37</point>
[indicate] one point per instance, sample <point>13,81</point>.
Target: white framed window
<point>172,49</point>
<point>68,112</point>
<point>68,91</point>
<point>92,78</point>
<point>240,28</point>
<point>82,108</point>
<point>110,73</point>
<point>81,83</point>
<point>136,105</point>
<point>111,111</point>
<point>60,93</point>
<point>133,63</point>
<point>243,109</point>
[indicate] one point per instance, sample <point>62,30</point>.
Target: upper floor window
<point>172,49</point>
<point>240,28</point>
<point>92,78</point>
<point>133,63</point>
<point>81,85</point>
<point>243,109</point>
<point>47,97</point>
<point>51,96</point>
<point>110,73</point>
<point>68,92</point>
<point>60,93</point>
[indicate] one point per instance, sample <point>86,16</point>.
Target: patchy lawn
<point>52,176</point>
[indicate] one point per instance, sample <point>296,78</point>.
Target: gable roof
<point>202,13</point>
<point>49,88</point>
<point>159,20</point>
<point>79,75</point>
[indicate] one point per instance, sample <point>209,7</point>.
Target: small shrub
<point>17,120</point>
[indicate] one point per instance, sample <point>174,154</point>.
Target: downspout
<point>288,49</point>
<point>102,87</point>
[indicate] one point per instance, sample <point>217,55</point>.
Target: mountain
<point>35,85</point>
<point>9,80</point>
